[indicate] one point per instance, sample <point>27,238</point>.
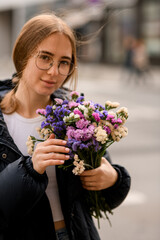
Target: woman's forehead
<point>56,43</point>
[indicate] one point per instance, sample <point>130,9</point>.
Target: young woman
<point>38,200</point>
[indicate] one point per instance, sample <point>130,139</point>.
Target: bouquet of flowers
<point>89,129</point>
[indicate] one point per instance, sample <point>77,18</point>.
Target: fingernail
<point>61,161</point>
<point>64,142</point>
<point>67,149</point>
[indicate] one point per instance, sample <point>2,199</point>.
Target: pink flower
<point>58,101</point>
<point>86,103</point>
<point>96,116</point>
<point>77,111</point>
<point>73,104</point>
<point>119,120</point>
<point>70,132</point>
<point>92,107</point>
<point>113,120</point>
<point>109,117</point>
<point>74,93</point>
<point>41,111</point>
<point>82,123</point>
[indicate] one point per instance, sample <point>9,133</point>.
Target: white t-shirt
<point>20,128</point>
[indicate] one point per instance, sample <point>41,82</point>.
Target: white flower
<point>30,145</point>
<point>112,104</point>
<point>79,165</point>
<point>101,135</point>
<point>65,119</point>
<point>86,113</point>
<point>44,133</point>
<point>71,115</point>
<point>123,111</point>
<point>76,116</point>
<point>82,107</point>
<point>119,133</point>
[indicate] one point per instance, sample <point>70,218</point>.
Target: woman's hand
<point>100,178</point>
<point>50,152</point>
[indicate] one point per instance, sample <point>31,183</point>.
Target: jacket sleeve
<point>116,194</point>
<point>20,188</point>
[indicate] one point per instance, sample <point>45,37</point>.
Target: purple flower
<point>75,145</point>
<point>80,99</point>
<point>65,102</point>
<point>48,109</point>
<point>70,132</point>
<point>107,129</point>
<point>99,107</point>
<point>82,123</point>
<point>44,124</point>
<point>105,113</point>
<point>83,146</point>
<point>115,126</point>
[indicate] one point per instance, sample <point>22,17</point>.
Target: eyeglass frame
<point>52,63</point>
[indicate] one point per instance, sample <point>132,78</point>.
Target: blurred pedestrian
<point>128,64</point>
<point>136,66</point>
<point>141,62</point>
<point>38,200</point>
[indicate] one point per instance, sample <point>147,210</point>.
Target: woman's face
<point>44,82</point>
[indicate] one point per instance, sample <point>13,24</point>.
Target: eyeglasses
<point>44,61</point>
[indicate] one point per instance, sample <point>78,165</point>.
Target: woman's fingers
<point>54,141</point>
<point>100,178</point>
<point>56,156</point>
<point>54,148</point>
<point>51,152</point>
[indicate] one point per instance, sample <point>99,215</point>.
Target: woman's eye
<point>65,63</point>
<point>45,58</point>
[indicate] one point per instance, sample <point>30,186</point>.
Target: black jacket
<point>25,212</point>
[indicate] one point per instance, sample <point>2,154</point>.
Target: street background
<point>106,73</point>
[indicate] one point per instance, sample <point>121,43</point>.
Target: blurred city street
<point>139,216</point>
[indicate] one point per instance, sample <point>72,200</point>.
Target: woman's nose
<point>53,70</point>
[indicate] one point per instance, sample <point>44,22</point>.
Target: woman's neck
<point>29,103</point>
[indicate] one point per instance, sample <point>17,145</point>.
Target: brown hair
<point>32,34</point>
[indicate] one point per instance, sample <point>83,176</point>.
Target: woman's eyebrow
<point>51,54</point>
<point>66,57</point>
<point>46,52</point>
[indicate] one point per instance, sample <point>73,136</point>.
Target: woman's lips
<point>48,82</point>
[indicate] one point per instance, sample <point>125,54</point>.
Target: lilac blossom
<point>82,123</point>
